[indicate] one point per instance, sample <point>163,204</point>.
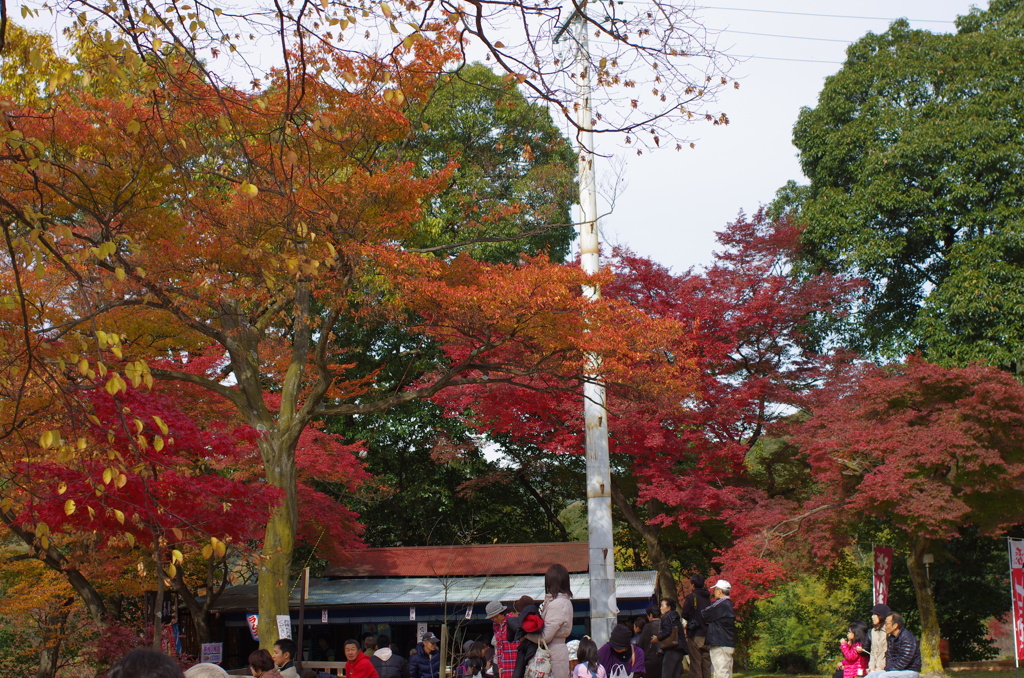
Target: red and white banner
<point>880,574</point>
<point>1017,593</point>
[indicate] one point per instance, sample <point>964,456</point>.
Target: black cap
<point>881,610</point>
<point>620,637</point>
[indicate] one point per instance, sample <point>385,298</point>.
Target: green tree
<point>913,154</point>
<point>514,185</point>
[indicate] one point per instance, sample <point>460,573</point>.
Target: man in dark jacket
<point>387,663</point>
<point>649,642</point>
<point>721,634</point>
<point>902,654</point>
<point>426,661</point>
<point>696,630</point>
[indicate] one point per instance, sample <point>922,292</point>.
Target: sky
<point>675,201</point>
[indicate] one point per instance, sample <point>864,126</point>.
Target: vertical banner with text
<point>1017,594</point>
<point>881,573</point>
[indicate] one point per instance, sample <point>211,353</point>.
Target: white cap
<point>723,585</point>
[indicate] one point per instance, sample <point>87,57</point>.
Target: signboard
<point>284,626</point>
<point>254,626</point>
<point>1017,594</point>
<point>323,616</point>
<point>421,630</point>
<point>412,614</point>
<point>469,612</point>
<point>212,653</point>
<point>881,572</point>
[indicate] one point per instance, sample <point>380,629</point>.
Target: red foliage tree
<point>921,448</point>
<point>748,343</point>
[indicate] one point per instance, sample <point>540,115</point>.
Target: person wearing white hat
<point>721,622</point>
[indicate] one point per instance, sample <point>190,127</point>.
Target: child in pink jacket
<point>856,650</point>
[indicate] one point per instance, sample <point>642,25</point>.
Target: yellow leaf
<point>92,513</point>
<point>178,534</point>
<point>172,571</point>
<point>82,444</point>
<point>62,488</point>
<point>121,481</point>
<point>207,552</point>
<point>83,367</point>
<point>248,190</point>
<point>119,272</point>
<point>108,475</point>
<point>386,8</point>
<point>69,507</point>
<point>119,515</point>
<point>158,443</point>
<point>220,549</point>
<point>46,440</point>
<point>44,541</point>
<point>131,538</point>
<point>176,557</point>
<point>160,424</point>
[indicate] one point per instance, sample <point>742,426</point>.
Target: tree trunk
<point>279,541</point>
<point>649,533</point>
<point>56,561</point>
<point>931,662</point>
<point>53,634</point>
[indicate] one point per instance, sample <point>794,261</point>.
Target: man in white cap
<point>504,648</point>
<point>721,622</point>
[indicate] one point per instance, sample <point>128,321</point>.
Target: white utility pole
<point>603,607</point>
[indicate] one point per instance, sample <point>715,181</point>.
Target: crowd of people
<point>699,631</point>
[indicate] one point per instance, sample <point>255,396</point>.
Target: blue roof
<point>411,591</point>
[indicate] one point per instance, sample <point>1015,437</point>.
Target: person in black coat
<point>649,642</point>
<point>672,654</point>
<point>696,630</point>
<point>721,621</point>
<point>516,629</point>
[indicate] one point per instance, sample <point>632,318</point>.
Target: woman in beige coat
<point>557,615</point>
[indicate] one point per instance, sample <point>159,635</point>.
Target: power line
<point>831,16</point>
<point>768,58</point>
<point>790,37</point>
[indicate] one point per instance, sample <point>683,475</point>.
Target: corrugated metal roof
<point>461,561</point>
<point>411,591</point>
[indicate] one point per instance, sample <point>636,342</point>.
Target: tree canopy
<point>912,154</point>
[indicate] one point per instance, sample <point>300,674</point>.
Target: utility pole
<point>603,607</point>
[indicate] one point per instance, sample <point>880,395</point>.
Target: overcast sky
<point>675,201</point>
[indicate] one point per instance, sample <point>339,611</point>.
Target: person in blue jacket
<point>425,662</point>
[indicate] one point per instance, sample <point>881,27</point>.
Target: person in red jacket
<point>357,664</point>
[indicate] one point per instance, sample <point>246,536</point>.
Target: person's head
<point>878,614</point>
<point>369,642</point>
<point>523,603</point>
<point>351,649</point>
<point>697,580</point>
<point>383,640</point>
<point>260,661</point>
<point>620,638</point>
<point>205,670</point>
<point>556,580</point>
<point>477,648</point>
<point>284,651</point>
<point>667,605</point>
<point>857,632</point>
<point>475,666</point>
<point>430,642</point>
<point>586,652</point>
<point>653,611</point>
<point>639,623</point>
<point>893,624</point>
<point>721,588</point>
<point>145,663</point>
<point>495,611</point>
